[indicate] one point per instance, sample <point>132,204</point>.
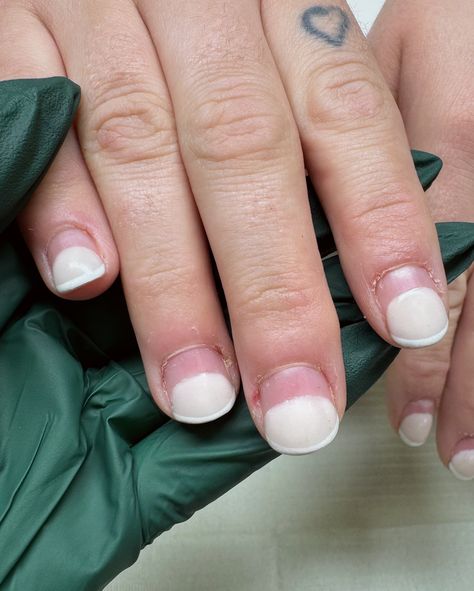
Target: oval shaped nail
<point>198,386</point>
<point>415,313</point>
<point>299,414</point>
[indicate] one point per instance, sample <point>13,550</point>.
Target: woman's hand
<point>196,124</point>
<point>425,49</point>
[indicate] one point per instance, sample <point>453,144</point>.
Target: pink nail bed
<point>299,413</point>
<point>414,311</point>
<point>198,385</point>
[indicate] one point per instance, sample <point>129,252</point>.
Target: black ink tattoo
<point>309,20</point>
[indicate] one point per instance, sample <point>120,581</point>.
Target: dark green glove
<point>90,469</point>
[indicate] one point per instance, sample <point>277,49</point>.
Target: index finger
<point>358,157</point>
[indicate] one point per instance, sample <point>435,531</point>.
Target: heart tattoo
<point>328,23</point>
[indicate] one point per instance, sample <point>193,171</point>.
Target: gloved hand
<point>90,470</point>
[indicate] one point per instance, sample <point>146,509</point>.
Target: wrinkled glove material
<point>90,469</point>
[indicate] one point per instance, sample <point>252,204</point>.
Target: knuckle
<point>156,282</point>
<point>387,206</point>
<point>277,294</point>
<point>130,122</point>
<point>235,123</point>
<point>427,369</point>
<point>345,93</point>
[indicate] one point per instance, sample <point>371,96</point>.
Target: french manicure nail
<point>415,313</point>
<point>299,414</point>
<point>462,462</point>
<point>73,260</point>
<point>76,266</point>
<point>415,429</point>
<point>198,385</point>
<point>417,420</point>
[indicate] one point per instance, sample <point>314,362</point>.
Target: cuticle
<point>215,348</point>
<point>261,378</point>
<point>380,276</point>
<point>65,228</point>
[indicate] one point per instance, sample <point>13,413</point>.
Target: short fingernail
<point>417,422</point>
<point>462,462</point>
<point>198,385</point>
<point>73,260</point>
<point>299,414</point>
<point>415,313</point>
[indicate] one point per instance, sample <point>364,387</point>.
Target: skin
<point>434,89</point>
<point>196,124</point>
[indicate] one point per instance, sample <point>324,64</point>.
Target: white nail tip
<point>462,465</point>
<point>417,318</point>
<point>415,429</point>
<point>75,266</point>
<point>202,398</point>
<point>301,425</point>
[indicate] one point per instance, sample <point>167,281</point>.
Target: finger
<point>64,224</point>
<point>243,157</point>
<point>127,130</point>
<point>416,380</point>
<point>358,157</point>
<point>456,414</point>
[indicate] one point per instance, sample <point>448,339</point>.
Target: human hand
<point>196,123</point>
<point>425,50</point>
<point>91,470</point>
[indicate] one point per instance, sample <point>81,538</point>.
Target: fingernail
<point>417,422</point>
<point>462,462</point>
<point>415,313</point>
<point>299,414</point>
<point>198,385</point>
<point>73,260</point>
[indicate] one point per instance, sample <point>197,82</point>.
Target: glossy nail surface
<point>299,414</point>
<point>198,386</point>
<point>76,266</point>
<point>415,313</point>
